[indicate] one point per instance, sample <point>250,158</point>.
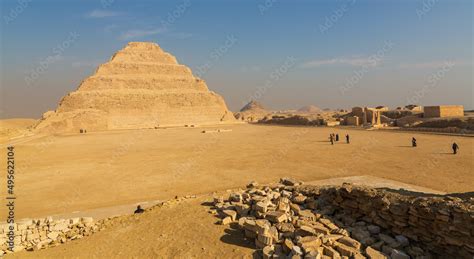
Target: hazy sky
<point>286,54</point>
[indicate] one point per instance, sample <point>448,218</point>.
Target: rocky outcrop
<point>140,87</point>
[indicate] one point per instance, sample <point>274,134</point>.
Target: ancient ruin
<point>141,86</point>
<point>366,116</point>
<point>441,111</point>
<point>36,234</point>
<point>290,220</point>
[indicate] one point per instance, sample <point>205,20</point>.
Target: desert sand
<point>155,132</point>
<point>11,128</point>
<point>74,172</point>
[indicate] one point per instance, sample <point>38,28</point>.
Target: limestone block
<point>307,214</point>
<point>345,250</point>
<point>230,213</point>
<point>309,243</point>
<point>262,226</point>
<point>268,252</point>
<point>265,238</point>
<point>349,242</point>
<point>226,221</point>
<point>59,227</point>
<point>261,206</point>
<point>402,240</point>
<point>396,254</point>
<point>329,251</point>
<point>299,199</point>
<point>373,229</point>
<point>53,235</point>
<point>87,220</point>
<point>313,255</point>
<point>374,254</point>
<point>276,216</point>
<point>74,221</point>
<point>296,250</point>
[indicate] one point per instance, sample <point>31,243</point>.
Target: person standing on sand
<point>331,139</point>
<point>337,137</point>
<point>413,142</point>
<point>455,148</point>
<point>347,139</point>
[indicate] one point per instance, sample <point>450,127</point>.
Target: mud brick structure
<point>443,111</point>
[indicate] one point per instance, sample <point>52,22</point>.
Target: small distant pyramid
<point>309,109</point>
<point>252,106</point>
<point>141,86</point>
<point>252,112</point>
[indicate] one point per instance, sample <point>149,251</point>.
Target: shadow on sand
<point>234,235</point>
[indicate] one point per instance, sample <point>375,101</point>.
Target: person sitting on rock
<point>139,210</point>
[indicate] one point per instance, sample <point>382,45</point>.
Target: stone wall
<point>354,120</point>
<point>443,111</point>
<point>443,225</point>
<point>35,234</point>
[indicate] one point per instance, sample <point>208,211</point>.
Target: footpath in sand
<point>61,174</point>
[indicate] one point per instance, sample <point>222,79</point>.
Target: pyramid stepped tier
<point>140,87</point>
<point>144,56</point>
<point>147,82</point>
<point>114,68</point>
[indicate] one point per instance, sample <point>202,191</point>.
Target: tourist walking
<point>331,139</point>
<point>347,139</point>
<point>455,148</point>
<point>413,142</point>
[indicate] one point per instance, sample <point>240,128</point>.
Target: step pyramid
<point>141,86</point>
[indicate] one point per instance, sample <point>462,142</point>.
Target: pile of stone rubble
<point>283,222</point>
<point>35,234</point>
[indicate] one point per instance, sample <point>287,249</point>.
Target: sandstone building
<point>141,86</point>
<point>443,111</point>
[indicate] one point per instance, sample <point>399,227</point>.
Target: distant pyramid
<point>252,106</point>
<point>310,109</point>
<point>140,87</point>
<point>252,112</point>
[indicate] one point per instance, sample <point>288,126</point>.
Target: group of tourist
<point>335,138</point>
<point>454,146</point>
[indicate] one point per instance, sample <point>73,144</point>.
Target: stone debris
<point>36,234</point>
<point>216,131</point>
<point>290,220</point>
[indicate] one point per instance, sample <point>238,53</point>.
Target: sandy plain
<point>60,174</point>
